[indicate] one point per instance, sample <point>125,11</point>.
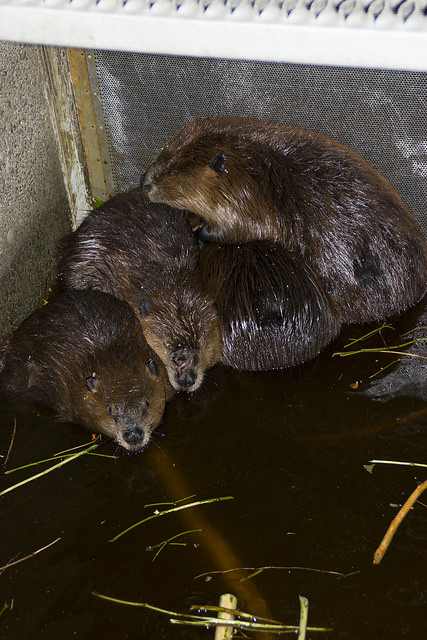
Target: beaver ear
<point>144,308</point>
<point>218,162</point>
<point>92,381</point>
<point>152,367</point>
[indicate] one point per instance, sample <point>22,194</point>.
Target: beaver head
<point>184,332</point>
<point>124,401</point>
<point>85,356</point>
<point>220,175</point>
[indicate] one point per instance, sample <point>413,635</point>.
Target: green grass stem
<point>380,350</point>
<point>163,513</point>
<point>42,473</point>
<point>174,503</point>
<point>163,544</point>
<point>56,457</point>
<point>390,364</point>
<point>369,334</point>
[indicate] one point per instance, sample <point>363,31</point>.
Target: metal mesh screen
<point>146,99</point>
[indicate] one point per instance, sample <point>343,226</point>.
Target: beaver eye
<point>172,172</point>
<point>218,162</point>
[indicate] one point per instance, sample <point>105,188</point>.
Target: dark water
<point>289,447</point>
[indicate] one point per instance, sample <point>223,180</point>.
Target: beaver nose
<point>186,378</point>
<point>133,436</point>
<point>146,184</point>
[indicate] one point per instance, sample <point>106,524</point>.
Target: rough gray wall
<point>34,211</point>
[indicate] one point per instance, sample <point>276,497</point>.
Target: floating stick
<point>257,570</point>
<point>404,464</point>
<point>385,542</point>
<point>303,602</point>
<point>201,621</point>
<point>11,443</point>
<point>31,555</point>
<point>228,601</point>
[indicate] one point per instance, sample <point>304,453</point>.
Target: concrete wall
<point>34,210</point>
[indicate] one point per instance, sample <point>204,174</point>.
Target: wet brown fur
<point>147,255</point>
<point>249,179</point>
<point>273,308</point>
<point>85,356</point>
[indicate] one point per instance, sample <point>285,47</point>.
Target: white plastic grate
<point>358,33</point>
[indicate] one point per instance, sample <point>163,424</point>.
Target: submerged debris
<point>246,621</point>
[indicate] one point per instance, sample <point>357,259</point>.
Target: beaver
<point>85,356</point>
<point>249,179</point>
<point>273,308</point>
<point>146,254</point>
<point>409,377</point>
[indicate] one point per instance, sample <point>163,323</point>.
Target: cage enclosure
<point>141,70</point>
<point>90,92</point>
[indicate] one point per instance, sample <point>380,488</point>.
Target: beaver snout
<point>149,179</point>
<point>146,184</point>
<point>186,365</point>
<point>150,187</point>
<point>186,378</point>
<point>134,437</point>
